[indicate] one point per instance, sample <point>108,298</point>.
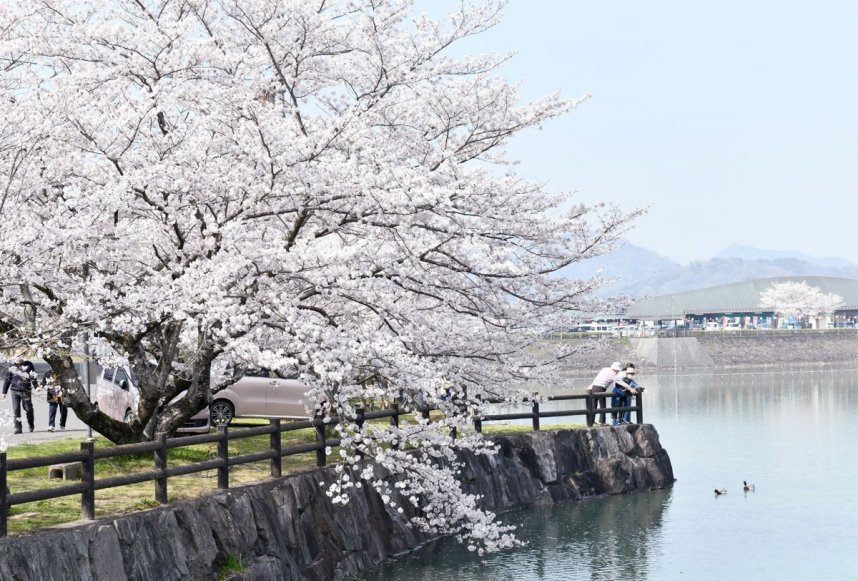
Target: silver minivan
<point>117,396</point>
<point>259,394</point>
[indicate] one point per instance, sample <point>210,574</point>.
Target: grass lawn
<point>114,501</point>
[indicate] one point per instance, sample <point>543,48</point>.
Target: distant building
<point>737,305</point>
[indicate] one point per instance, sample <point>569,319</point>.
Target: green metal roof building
<point>736,299</point>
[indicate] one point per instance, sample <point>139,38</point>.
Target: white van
<point>117,395</point>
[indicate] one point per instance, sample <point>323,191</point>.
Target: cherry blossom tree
<point>316,187</point>
<point>799,300</point>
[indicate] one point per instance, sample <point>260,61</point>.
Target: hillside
<point>642,272</point>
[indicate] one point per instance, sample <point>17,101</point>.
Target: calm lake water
<point>789,432</point>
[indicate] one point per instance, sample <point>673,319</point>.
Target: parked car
<point>117,396</point>
<point>261,394</point>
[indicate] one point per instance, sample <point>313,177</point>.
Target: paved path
<point>74,427</point>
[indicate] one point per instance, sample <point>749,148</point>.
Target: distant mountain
<point>629,263</point>
<point>646,273</point>
<point>706,273</point>
<point>751,253</point>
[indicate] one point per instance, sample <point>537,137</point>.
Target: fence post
<point>276,445</point>
<point>360,412</point>
<point>591,415</point>
<point>223,456</point>
<point>321,457</point>
<point>639,405</point>
<point>87,476</point>
<point>394,419</point>
<point>4,506</point>
<point>535,410</point>
<point>161,466</point>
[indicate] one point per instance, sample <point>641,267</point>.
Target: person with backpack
<point>54,395</point>
<point>19,379</point>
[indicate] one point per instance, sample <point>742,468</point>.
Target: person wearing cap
<point>20,378</point>
<point>604,380</point>
<point>623,392</point>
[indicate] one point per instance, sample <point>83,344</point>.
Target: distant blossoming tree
<point>799,300</point>
<point>312,187</point>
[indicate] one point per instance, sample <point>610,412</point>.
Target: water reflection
<point>790,431</point>
<point>599,540</point>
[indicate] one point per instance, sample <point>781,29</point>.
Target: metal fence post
<point>161,466</point>
<point>276,444</point>
<point>223,456</point>
<point>535,411</point>
<point>639,405</point>
<point>4,506</point>
<point>87,476</point>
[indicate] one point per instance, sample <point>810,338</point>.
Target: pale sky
<point>736,121</point>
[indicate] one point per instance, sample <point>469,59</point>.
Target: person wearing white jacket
<point>605,380</point>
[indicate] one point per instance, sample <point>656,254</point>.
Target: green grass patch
<point>114,501</point>
<point>233,564</point>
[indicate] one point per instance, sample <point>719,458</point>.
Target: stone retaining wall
<point>781,348</point>
<point>288,528</point>
<point>720,349</point>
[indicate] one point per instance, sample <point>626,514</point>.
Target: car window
<point>108,373</point>
<point>120,377</point>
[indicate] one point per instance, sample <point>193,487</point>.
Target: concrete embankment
<point>289,529</point>
<point>721,349</point>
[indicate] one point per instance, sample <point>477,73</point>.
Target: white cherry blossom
<point>315,187</point>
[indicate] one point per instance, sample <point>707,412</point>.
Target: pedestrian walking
<point>20,378</point>
<point>54,395</point>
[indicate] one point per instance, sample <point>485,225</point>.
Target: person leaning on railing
<point>623,395</point>
<point>604,380</point>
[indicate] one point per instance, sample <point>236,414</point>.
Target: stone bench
<point>67,471</point>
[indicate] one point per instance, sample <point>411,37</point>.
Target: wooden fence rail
<point>159,448</point>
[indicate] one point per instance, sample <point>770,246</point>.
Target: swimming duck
<point>748,487</point>
<point>719,492</point>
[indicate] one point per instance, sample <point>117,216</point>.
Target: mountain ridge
<point>641,272</point>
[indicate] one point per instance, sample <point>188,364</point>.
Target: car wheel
<point>221,413</point>
<point>127,419</point>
